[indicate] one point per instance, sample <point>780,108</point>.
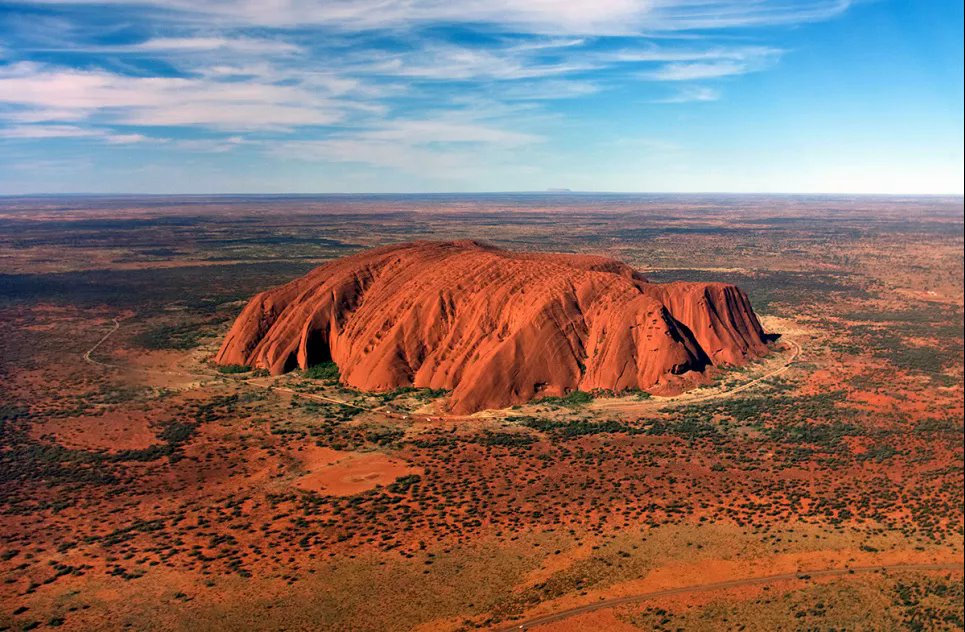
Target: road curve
<point>332,400</point>
<point>117,325</point>
<point>724,585</point>
<point>796,351</point>
<point>687,398</point>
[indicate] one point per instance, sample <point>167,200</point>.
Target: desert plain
<point>143,485</point>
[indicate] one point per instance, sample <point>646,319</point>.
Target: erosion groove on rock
<point>495,327</point>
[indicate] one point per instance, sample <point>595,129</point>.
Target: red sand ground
<point>337,473</point>
<point>113,431</point>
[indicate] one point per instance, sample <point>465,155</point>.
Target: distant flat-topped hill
<point>495,327</point>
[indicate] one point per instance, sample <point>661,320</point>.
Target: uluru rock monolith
<point>494,327</point>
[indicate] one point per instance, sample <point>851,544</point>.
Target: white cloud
<point>501,60</point>
<point>46,131</point>
<point>548,89</point>
<point>691,94</point>
<point>653,53</point>
<point>700,70</point>
<point>74,94</point>
<point>362,80</point>
<point>232,81</point>
<point>212,145</point>
<point>441,131</point>
<point>589,17</point>
<point>426,163</point>
<point>196,44</point>
<point>68,131</point>
<point>444,149</point>
<point>461,63</point>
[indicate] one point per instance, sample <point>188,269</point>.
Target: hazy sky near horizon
<point>246,96</point>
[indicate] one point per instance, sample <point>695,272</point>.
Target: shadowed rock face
<point>495,327</point>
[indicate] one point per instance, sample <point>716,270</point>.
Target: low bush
<point>324,371</point>
<point>233,368</point>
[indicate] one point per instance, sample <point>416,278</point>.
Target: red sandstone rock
<point>495,327</point>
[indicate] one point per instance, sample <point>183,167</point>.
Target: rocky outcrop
<point>496,328</point>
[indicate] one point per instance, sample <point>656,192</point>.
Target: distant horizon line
<point>550,192</point>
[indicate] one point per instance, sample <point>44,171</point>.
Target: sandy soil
<point>336,473</point>
<point>113,431</point>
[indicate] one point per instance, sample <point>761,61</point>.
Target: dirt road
<point>87,356</point>
<point>734,583</point>
<point>795,352</point>
<point>687,398</point>
<point>614,404</point>
<point>331,400</point>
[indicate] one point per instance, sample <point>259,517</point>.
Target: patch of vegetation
<point>879,453</point>
<point>178,337</point>
<point>177,432</point>
<point>948,425</point>
<point>28,460</point>
<point>327,371</point>
<point>403,484</point>
<point>823,434</point>
<point>891,336</point>
<point>421,394</point>
<point>232,369</point>
<point>573,398</point>
<point>930,603</point>
<point>758,408</point>
<point>687,427</point>
<point>330,411</point>
<point>916,604</point>
<point>505,439</point>
<point>578,428</point>
<point>384,436</point>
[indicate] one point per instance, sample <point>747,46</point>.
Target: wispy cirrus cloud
<point>55,93</point>
<point>392,84</point>
<point>590,17</point>
<point>442,131</point>
<point>461,63</point>
<point>699,70</point>
<point>444,163</point>
<point>194,45</point>
<point>691,94</point>
<point>68,131</point>
<point>658,53</point>
<point>248,45</point>
<point>451,149</point>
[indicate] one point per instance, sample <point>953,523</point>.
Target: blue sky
<point>247,96</point>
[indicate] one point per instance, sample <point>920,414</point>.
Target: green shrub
<point>179,337</point>
<point>323,371</point>
<point>573,398</point>
<point>403,483</point>
<point>233,368</point>
<point>506,439</point>
<point>577,428</point>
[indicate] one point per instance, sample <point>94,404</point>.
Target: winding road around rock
<point>688,398</point>
<point>724,585</point>
<point>683,399</point>
<point>795,352</point>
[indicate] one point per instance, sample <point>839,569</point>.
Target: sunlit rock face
<point>495,327</point>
